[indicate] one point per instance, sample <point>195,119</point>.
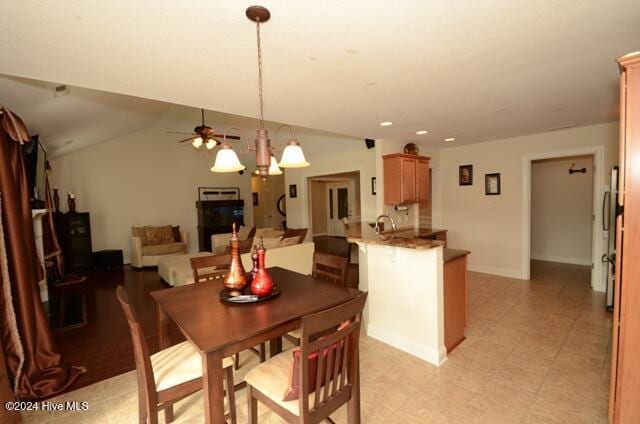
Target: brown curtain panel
<point>32,361</point>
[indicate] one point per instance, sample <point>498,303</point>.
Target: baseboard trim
<point>561,259</point>
<point>433,356</point>
<point>503,272</point>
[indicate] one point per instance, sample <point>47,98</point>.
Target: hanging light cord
<point>260,73</point>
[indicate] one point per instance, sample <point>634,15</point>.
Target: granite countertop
<point>450,254</point>
<point>408,238</point>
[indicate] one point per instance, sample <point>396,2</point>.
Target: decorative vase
<point>262,284</point>
<point>236,278</point>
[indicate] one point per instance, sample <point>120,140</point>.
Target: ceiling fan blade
<point>179,132</point>
<point>186,139</point>
<point>231,137</point>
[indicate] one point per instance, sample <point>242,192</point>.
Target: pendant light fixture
<point>292,156</point>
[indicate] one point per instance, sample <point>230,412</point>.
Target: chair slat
<point>327,374</point>
<point>336,368</point>
<point>345,355</point>
<point>320,364</point>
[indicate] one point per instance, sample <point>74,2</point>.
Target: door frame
<point>597,278</point>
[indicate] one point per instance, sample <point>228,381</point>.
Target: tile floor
<point>537,351</point>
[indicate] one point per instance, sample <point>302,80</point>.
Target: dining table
<point>218,329</point>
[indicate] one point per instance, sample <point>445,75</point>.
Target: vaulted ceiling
<point>466,69</point>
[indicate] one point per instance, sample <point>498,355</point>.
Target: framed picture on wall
<point>465,175</point>
<point>492,184</point>
<point>293,191</point>
<point>373,186</point>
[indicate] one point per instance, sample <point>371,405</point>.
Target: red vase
<point>262,284</point>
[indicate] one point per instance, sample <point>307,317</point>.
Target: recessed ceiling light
<point>421,132</point>
<point>450,139</point>
<point>386,124</point>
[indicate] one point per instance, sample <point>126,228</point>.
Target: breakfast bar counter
<point>403,272</point>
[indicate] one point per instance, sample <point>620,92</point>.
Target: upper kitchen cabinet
<point>406,179</point>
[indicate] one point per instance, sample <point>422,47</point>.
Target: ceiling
<point>81,118</point>
<point>470,70</point>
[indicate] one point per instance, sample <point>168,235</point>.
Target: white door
<point>340,206</point>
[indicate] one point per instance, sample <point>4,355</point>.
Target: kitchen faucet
<point>377,228</point>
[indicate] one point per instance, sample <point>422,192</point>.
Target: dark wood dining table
<point>218,329</point>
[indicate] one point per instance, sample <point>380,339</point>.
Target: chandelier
<point>292,155</point>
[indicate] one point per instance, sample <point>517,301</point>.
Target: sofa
<point>271,237</point>
<point>151,243</point>
<point>176,270</point>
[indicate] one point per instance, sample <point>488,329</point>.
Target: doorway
<point>562,210</point>
<point>266,195</point>
<point>333,200</point>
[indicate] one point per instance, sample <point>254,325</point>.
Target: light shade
<point>197,142</point>
<point>274,169</point>
<point>293,157</point>
<point>227,161</point>
<point>211,143</point>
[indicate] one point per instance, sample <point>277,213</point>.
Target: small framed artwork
<point>293,191</point>
<point>255,198</point>
<point>492,184</point>
<point>465,175</point>
<point>373,186</point>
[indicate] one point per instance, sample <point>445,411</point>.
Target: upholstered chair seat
<point>178,364</point>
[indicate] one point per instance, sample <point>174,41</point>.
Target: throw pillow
<point>158,235</point>
<point>289,241</point>
<point>268,243</point>
<point>176,233</point>
<point>244,246</point>
<point>293,391</point>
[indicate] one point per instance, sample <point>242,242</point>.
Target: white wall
<point>561,210</point>
<point>142,178</point>
<point>491,227</point>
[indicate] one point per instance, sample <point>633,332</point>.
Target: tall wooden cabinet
<point>624,407</point>
<point>406,179</point>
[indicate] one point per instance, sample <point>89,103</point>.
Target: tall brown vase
<point>236,278</point>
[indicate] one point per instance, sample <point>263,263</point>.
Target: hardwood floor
<point>104,346</point>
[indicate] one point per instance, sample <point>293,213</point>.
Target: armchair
<point>148,255</point>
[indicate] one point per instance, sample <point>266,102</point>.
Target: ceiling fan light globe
<point>197,142</point>
<point>211,143</point>
<point>227,161</point>
<point>293,156</point>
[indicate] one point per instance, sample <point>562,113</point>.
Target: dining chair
<point>214,267</point>
<point>168,375</point>
<point>326,267</point>
<point>331,268</point>
<point>325,381</point>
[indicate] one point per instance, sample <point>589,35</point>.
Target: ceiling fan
<point>203,135</point>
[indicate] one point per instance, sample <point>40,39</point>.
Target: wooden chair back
<point>337,375</point>
<point>201,267</point>
<point>144,370</point>
<point>330,268</point>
